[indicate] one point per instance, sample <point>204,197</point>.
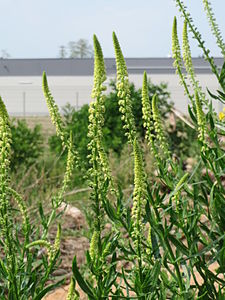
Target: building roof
<point>84,67</point>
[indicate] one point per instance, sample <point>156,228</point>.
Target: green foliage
<point>114,138</point>
<point>27,144</point>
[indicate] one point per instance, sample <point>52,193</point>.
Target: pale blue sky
<point>36,28</point>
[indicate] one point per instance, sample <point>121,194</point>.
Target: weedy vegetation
<point>165,238</point>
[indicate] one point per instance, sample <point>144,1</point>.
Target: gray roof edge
<point>84,66</point>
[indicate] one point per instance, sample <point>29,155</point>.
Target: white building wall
<point>23,95</point>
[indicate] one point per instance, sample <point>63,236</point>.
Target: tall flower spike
<point>5,153</point>
<point>5,138</point>
<point>139,195</point>
<point>189,65</point>
<point>123,87</point>
<point>196,34</point>
<point>22,207</point>
<point>176,54</point>
<point>70,163</point>
<point>147,116</point>
<point>53,109</point>
<point>201,122</point>
<point>96,113</point>
<point>214,26</point>
<point>159,128</point>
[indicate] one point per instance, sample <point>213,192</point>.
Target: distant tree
<point>5,53</point>
<point>80,49</point>
<point>62,52</point>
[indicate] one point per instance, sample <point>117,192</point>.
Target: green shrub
<point>77,121</point>
<point>27,144</point>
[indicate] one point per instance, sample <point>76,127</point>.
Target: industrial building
<point>70,80</point>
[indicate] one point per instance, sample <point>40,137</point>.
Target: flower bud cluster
<point>93,249</point>
<point>5,153</point>
<point>178,63</point>
<point>189,65</point>
<point>214,26</point>
<point>22,207</point>
<point>147,117</point>
<point>123,87</point>
<point>96,118</point>
<point>71,292</point>
<point>159,128</point>
<point>201,123</point>
<point>176,195</point>
<point>53,109</point>
<point>139,194</point>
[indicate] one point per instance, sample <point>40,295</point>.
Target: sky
<point>37,28</point>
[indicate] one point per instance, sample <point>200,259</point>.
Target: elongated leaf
<point>82,283</point>
<point>48,289</point>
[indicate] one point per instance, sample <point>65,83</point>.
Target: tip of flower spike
<point>44,79</point>
<point>145,76</point>
<point>96,42</point>
<point>174,20</point>
<point>115,40</point>
<point>154,100</point>
<point>3,110</point>
<point>174,30</point>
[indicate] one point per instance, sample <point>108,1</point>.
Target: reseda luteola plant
<point>159,246</point>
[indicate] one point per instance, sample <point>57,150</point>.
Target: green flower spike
<point>53,110</point>
<point>93,249</point>
<point>197,36</point>
<point>201,122</point>
<point>189,65</point>
<point>72,294</point>
<point>147,117</point>
<point>42,243</point>
<point>123,87</point>
<point>56,246</point>
<point>139,195</point>
<point>5,152</point>
<point>159,128</point>
<point>177,191</point>
<point>96,116</point>
<point>22,207</point>
<point>178,64</point>
<point>70,162</point>
<point>214,26</point>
